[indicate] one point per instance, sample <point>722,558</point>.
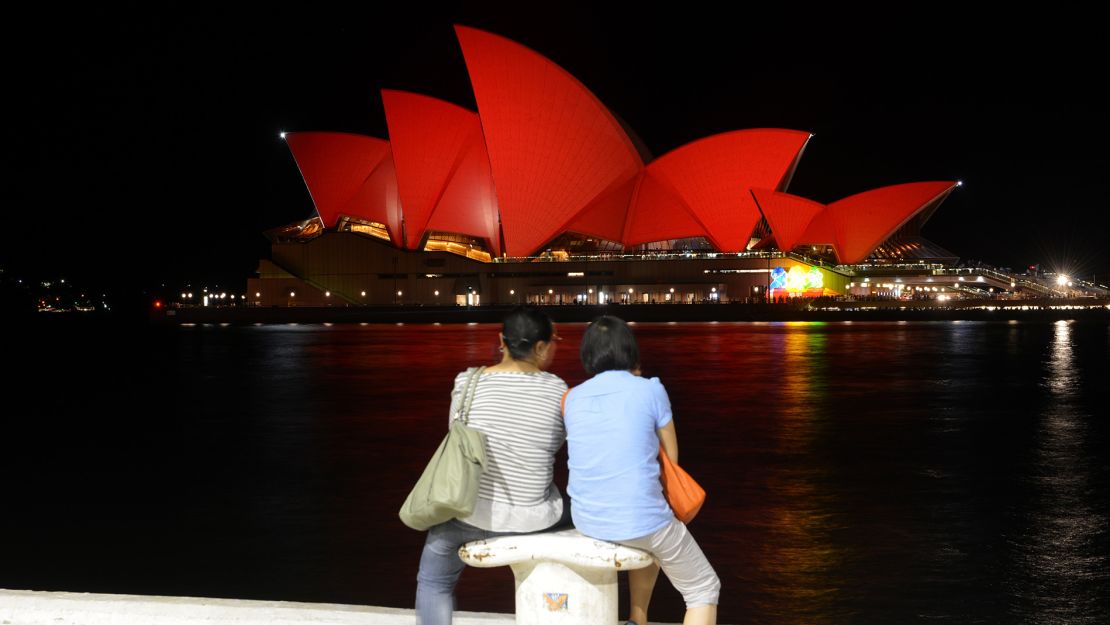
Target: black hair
<point>609,345</point>
<point>523,327</point>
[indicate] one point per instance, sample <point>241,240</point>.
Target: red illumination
<point>712,176</point>
<point>865,220</point>
<point>658,213</point>
<point>821,231</point>
<point>788,215</point>
<point>349,174</point>
<point>442,168</point>
<point>543,156</point>
<point>606,216</point>
<point>157,303</point>
<point>855,225</point>
<point>554,148</point>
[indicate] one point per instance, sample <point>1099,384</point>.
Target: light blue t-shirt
<point>613,455</point>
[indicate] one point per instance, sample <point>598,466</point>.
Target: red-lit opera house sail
<point>712,178</point>
<point>658,213</point>
<point>554,149</point>
<point>442,168</point>
<point>865,220</point>
<point>788,215</point>
<point>348,174</point>
<point>855,225</point>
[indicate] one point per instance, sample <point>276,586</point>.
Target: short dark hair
<point>609,345</point>
<point>522,328</point>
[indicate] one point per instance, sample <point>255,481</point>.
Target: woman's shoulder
<point>550,378</point>
<point>542,378</point>
<point>621,382</point>
<point>461,376</point>
<point>538,378</point>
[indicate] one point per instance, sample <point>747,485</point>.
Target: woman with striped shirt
<point>517,405</point>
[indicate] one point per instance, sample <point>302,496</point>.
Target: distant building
<point>543,196</point>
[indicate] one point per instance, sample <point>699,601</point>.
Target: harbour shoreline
<point>970,310</point>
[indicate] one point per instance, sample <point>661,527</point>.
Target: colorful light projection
<point>796,281</point>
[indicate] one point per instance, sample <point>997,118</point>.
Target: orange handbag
<point>684,494</point>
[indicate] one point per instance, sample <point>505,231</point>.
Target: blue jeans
<point>440,568</point>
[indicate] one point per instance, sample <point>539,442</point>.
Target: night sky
<point>147,150</point>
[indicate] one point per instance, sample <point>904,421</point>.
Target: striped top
<point>521,415</point>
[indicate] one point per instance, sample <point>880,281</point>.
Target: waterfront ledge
<point>24,607</point>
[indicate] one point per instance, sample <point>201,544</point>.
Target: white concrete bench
<point>562,578</point>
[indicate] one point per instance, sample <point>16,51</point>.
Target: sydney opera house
<point>543,196</point>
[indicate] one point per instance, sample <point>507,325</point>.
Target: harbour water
<point>886,472</point>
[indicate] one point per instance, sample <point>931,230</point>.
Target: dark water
<point>857,473</point>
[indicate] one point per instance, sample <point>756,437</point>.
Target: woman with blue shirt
<point>615,423</point>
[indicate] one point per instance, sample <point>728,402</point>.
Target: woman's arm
<point>669,440</point>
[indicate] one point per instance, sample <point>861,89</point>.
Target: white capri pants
<point>682,560</point>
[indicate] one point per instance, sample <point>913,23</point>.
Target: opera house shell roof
<point>543,157</point>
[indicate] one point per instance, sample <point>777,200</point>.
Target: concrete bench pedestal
<point>562,578</point>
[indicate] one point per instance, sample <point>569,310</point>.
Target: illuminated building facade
<point>542,196</point>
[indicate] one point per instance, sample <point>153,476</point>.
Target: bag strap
<point>469,387</point>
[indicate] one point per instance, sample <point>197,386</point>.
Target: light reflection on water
<point>1061,574</point>
<point>798,562</point>
<point>857,472</point>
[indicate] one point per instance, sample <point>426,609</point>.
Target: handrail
<point>639,256</point>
